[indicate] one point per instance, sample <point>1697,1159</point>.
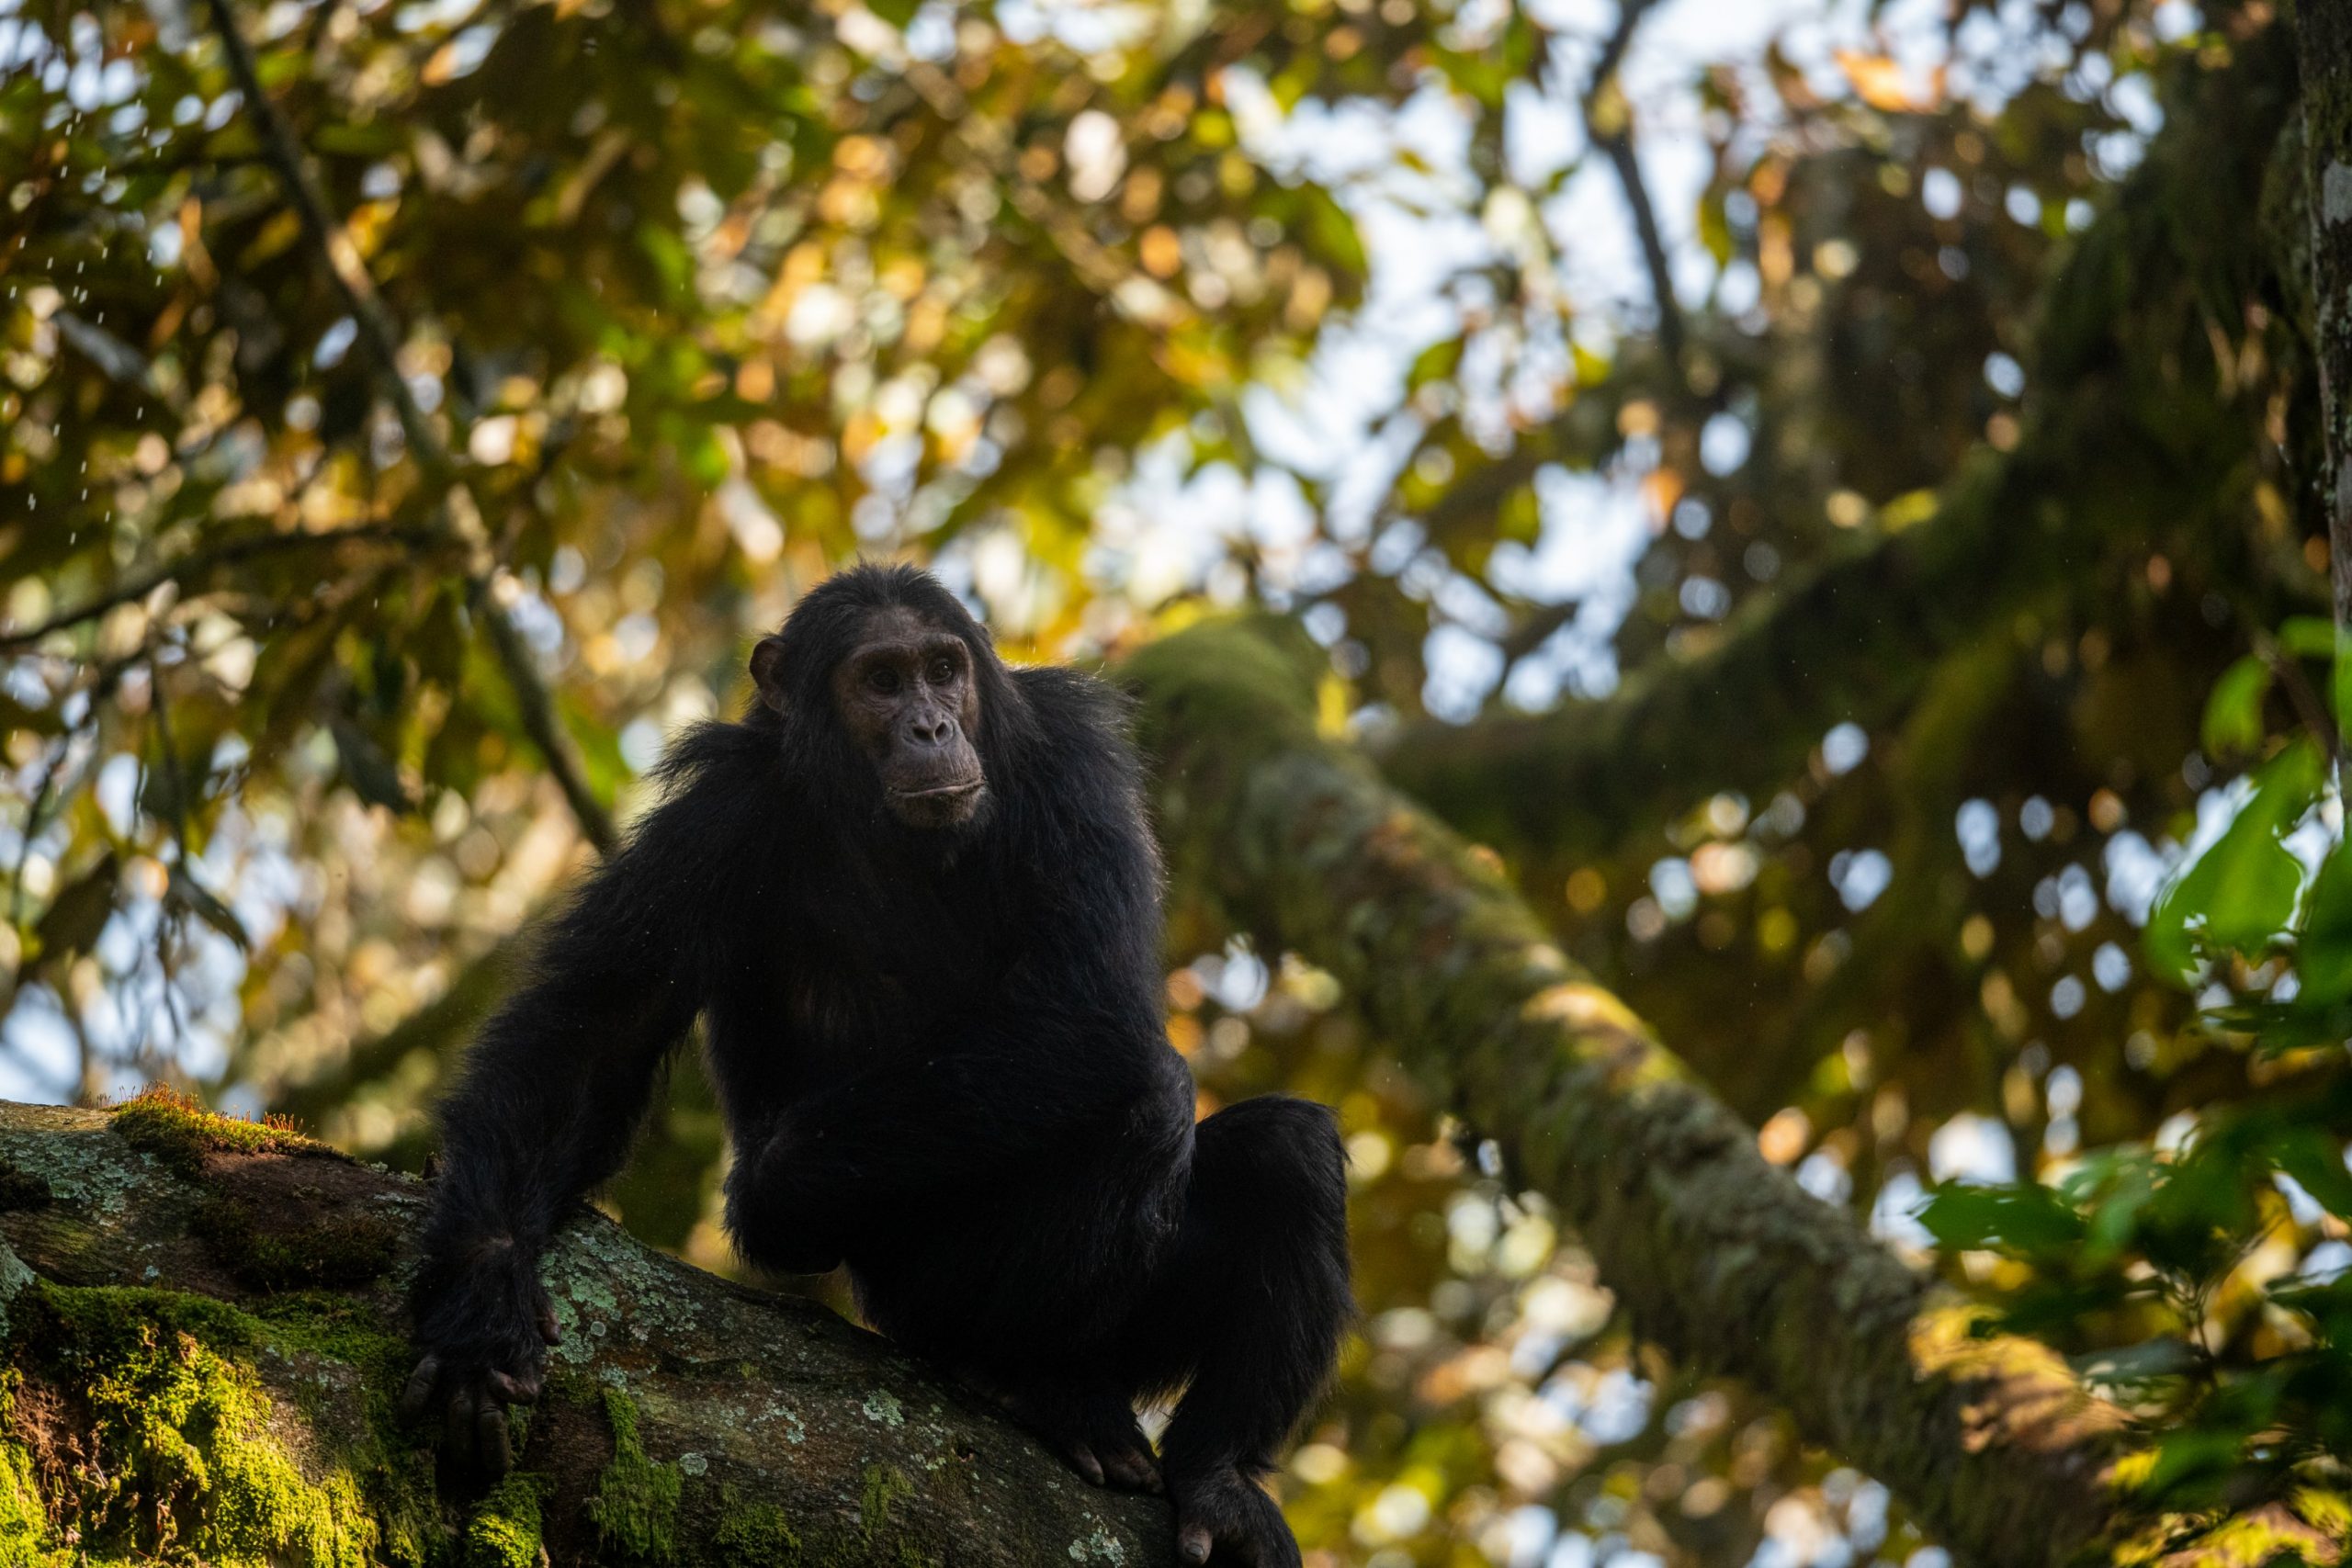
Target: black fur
<point>941,1059</point>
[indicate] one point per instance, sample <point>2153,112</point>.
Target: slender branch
<point>190,568</point>
<point>380,334</point>
<point>332,246</point>
<point>1608,124</point>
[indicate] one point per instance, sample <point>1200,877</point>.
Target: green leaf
<point>2308,637</point>
<point>74,917</point>
<point>2023,1219</point>
<point>2232,724</point>
<point>1333,231</point>
<point>1434,363</point>
<point>2240,893</point>
<point>371,774</point>
<point>2144,1362</point>
<point>185,892</point>
<point>2340,691</point>
<point>2323,950</point>
<point>2316,1161</point>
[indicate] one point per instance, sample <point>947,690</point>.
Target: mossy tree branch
<point>1719,1256</point>
<point>200,1346</point>
<point>2128,424</point>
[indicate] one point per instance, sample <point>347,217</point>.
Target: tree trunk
<point>200,1344</point>
<point>2324,39</point>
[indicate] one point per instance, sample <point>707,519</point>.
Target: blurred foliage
<point>1120,314</point>
<point>2201,1277</point>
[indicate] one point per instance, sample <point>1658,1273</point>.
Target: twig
<point>380,334</point>
<point>2288,673</point>
<point>1609,125</point>
<point>192,565</point>
<point>331,244</point>
<point>171,919</point>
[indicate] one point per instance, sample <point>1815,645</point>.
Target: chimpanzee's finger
<point>419,1390</point>
<point>1132,1468</point>
<point>1082,1459</point>
<point>513,1390</point>
<point>494,1448</point>
<point>1195,1544</point>
<point>458,1425</point>
<point>548,1329</point>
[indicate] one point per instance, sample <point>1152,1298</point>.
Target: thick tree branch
<point>347,271</point>
<point>2127,426</point>
<point>199,1323</point>
<point>1720,1256</point>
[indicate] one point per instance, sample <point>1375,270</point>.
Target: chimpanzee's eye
<point>942,670</point>
<point>882,679</point>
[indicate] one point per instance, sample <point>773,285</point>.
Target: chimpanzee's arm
<point>552,1095</point>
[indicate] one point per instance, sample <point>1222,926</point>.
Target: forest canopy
<point>1732,607</point>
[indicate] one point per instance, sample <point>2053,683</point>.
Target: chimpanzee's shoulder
<point>1075,708</point>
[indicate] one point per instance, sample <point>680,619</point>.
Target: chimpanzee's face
<point>906,694</point>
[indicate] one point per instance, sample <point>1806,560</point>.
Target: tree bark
<point>2324,39</point>
<point>200,1344</point>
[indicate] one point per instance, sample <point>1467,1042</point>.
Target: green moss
<point>186,1466</point>
<point>751,1535</point>
<point>395,1470</point>
<point>636,1505</point>
<point>343,1250</point>
<point>22,1189</point>
<point>180,1133</point>
<point>505,1531</point>
<point>885,1487</point>
<point>188,1461</point>
<point>24,1524</point>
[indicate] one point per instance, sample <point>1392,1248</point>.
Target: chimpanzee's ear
<point>767,672</point>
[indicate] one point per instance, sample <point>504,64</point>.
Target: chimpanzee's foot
<point>1223,1512</point>
<point>1096,1433</point>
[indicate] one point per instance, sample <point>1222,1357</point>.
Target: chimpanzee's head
<point>902,669</point>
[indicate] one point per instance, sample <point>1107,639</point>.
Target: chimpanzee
<point>913,897</point>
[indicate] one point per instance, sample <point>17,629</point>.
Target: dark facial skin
<point>907,696</point>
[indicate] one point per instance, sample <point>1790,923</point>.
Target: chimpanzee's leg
<point>1248,1319</point>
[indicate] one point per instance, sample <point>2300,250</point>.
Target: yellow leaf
<point>1885,86</point>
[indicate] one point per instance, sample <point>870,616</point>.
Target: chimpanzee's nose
<point>931,729</point>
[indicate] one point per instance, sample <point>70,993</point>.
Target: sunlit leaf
<point>2240,894</point>
<point>2233,724</point>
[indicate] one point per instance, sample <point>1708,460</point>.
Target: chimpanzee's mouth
<point>939,792</point>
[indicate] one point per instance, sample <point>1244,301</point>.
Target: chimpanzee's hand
<point>470,1388</point>
<point>1223,1513</point>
